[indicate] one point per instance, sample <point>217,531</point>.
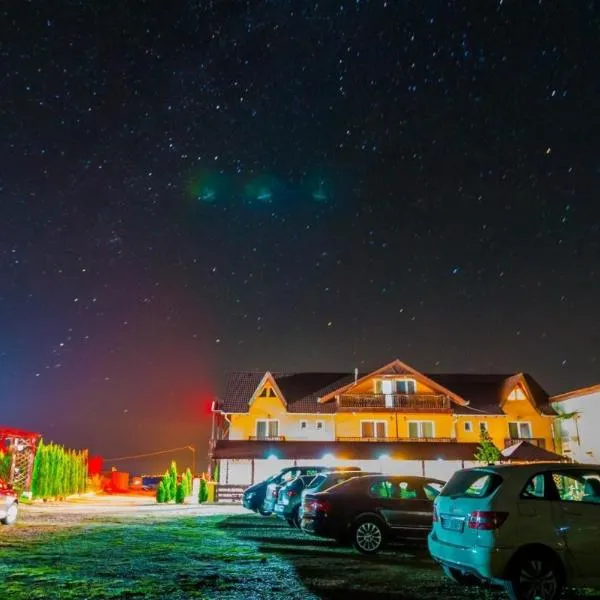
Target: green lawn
<point>236,557</point>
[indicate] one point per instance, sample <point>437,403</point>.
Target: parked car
<point>273,487</point>
<point>369,511</point>
<point>288,499</point>
<point>253,497</point>
<point>532,529</point>
<point>9,504</point>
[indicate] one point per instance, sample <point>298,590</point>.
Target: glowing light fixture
<point>384,457</point>
<point>272,457</point>
<point>328,456</point>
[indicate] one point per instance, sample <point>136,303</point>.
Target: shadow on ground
<point>332,572</point>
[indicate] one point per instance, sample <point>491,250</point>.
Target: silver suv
<point>532,529</point>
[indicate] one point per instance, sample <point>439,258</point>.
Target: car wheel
<point>368,535</point>
<point>11,514</point>
<point>264,513</point>
<point>460,577</point>
<point>535,576</point>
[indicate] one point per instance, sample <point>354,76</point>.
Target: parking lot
<point>168,552</point>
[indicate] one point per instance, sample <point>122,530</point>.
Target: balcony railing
<point>267,438</point>
<point>539,442</point>
<point>440,440</point>
<point>395,402</point>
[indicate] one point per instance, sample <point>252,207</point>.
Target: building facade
<point>579,412</point>
<point>392,419</point>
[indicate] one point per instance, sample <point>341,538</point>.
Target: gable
<point>397,371</point>
<point>267,393</point>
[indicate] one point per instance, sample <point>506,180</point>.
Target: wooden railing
<point>267,438</point>
<point>440,440</point>
<point>539,442</point>
<point>395,402</point>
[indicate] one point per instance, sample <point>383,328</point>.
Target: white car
<point>533,529</point>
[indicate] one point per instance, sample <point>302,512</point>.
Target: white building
<point>578,428</point>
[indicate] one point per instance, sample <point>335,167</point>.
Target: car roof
<point>536,467</point>
<point>378,476</point>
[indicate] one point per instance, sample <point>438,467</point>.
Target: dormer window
<point>267,392</point>
<point>517,393</point>
<point>395,386</point>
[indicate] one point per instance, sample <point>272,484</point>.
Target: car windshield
<point>472,484</point>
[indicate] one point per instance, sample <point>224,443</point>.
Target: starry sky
<point>191,187</point>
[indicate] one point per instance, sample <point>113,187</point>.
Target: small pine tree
<point>203,494</point>
<point>172,480</point>
<point>161,493</point>
<point>180,493</point>
<point>487,452</point>
<point>189,481</point>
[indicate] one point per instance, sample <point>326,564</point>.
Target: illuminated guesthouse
<point>392,419</point>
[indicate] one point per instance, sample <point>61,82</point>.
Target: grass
<point>238,557</point>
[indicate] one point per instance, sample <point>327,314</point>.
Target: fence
<point>230,494</point>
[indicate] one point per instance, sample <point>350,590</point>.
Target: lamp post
<point>193,450</point>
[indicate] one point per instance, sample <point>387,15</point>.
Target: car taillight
<point>486,520</point>
<point>291,493</point>
<point>314,506</point>
<point>435,515</point>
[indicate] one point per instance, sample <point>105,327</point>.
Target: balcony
<point>394,403</point>
<point>539,442</point>
<point>267,438</point>
<point>439,440</point>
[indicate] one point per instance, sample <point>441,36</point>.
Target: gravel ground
<point>138,550</point>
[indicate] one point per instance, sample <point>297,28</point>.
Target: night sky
<point>194,187</point>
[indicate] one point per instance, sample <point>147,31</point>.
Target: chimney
<point>355,374</point>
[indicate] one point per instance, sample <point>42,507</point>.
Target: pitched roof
<point>484,393</point>
<point>586,391</point>
<point>527,452</point>
<point>301,390</point>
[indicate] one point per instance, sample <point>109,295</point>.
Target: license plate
<point>453,524</point>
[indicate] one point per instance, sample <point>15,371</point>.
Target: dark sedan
<point>370,511</point>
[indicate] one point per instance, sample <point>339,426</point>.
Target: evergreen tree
<point>189,481</point>
<point>203,495</point>
<point>36,477</point>
<point>180,493</point>
<point>161,493</point>
<point>172,480</point>
<point>487,452</point>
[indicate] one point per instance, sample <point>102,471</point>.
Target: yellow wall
<point>348,424</point>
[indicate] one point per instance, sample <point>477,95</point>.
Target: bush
<point>180,493</point>
<point>161,493</point>
<point>203,495</point>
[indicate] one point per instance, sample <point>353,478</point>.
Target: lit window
<point>468,426</point>
<point>421,429</point>
<point>517,394</point>
<point>267,429</point>
<point>519,430</point>
<point>373,429</point>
